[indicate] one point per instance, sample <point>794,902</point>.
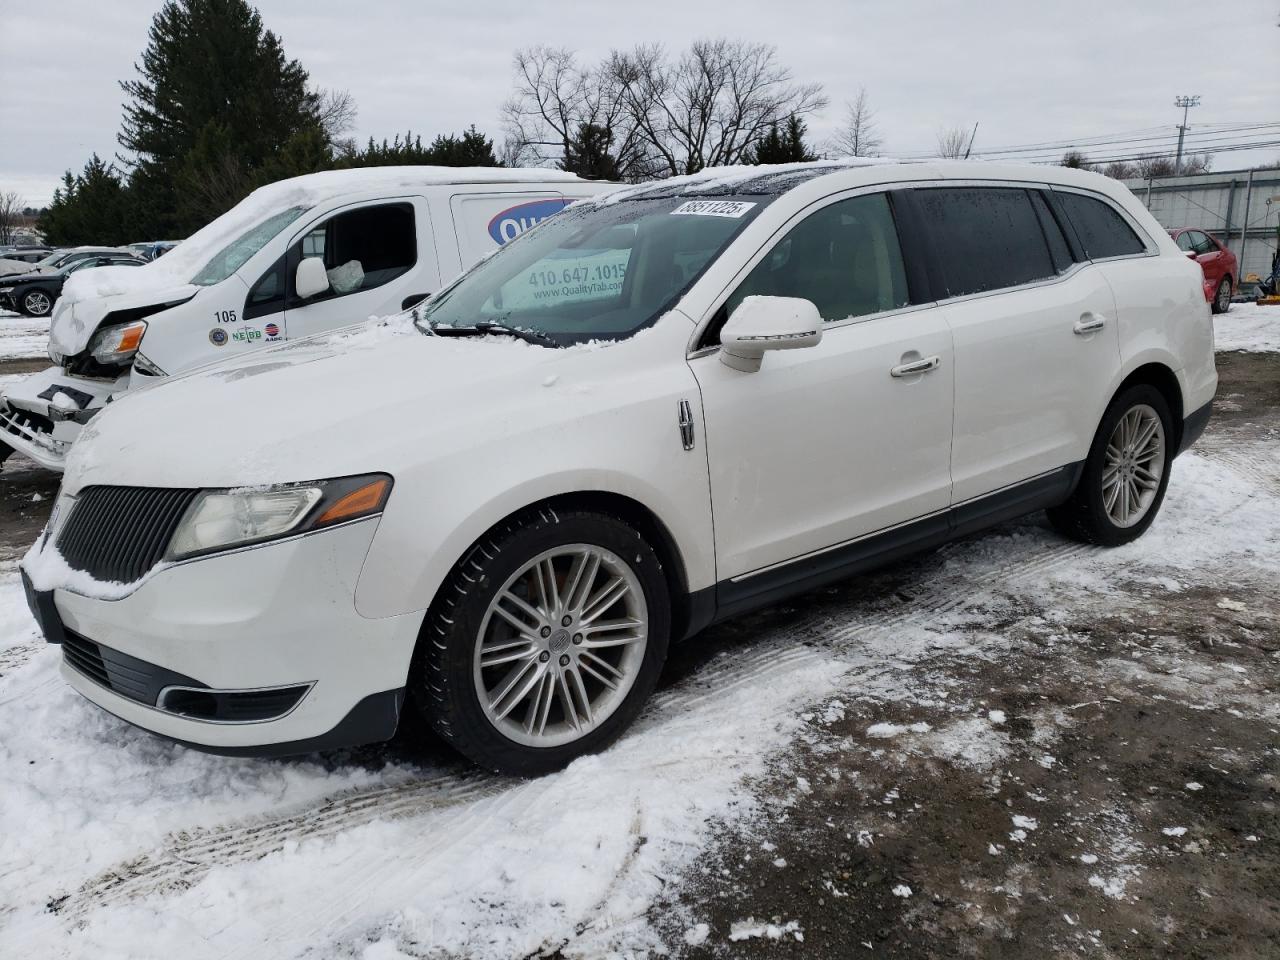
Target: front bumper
<point>270,618</point>
<point>41,431</point>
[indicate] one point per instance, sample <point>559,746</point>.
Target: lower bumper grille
<point>173,692</point>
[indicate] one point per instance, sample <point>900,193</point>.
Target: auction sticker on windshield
<point>713,208</point>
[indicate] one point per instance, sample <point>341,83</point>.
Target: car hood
<point>354,401</point>
<point>76,318</point>
<point>10,268</point>
<point>28,275</point>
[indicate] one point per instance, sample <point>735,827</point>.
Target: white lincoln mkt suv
<point>661,408</point>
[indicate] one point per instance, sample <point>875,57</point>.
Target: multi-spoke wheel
<point>546,641</point>
<point>1222,296</point>
<point>37,303</point>
<point>1124,479</point>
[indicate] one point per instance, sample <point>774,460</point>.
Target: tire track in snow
<point>186,858</point>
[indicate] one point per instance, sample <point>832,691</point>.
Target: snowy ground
<point>1248,326</point>
<point>1012,740</point>
<point>22,336</point>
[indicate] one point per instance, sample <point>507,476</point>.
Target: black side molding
<point>1193,425</point>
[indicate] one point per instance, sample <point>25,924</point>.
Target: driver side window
<point>845,258</point>
<point>361,249</point>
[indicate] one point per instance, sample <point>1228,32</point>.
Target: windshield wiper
<point>483,327</point>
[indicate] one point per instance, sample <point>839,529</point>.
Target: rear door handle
<point>1089,323</point>
<point>923,365</point>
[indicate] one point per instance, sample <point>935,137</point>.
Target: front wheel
<point>36,303</point>
<point>545,641</point>
<point>1222,296</point>
<point>1124,478</point>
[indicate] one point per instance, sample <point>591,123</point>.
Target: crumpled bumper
<point>33,424</point>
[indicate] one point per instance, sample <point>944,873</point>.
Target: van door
<point>376,254</point>
<point>482,222</point>
<point>1036,340</point>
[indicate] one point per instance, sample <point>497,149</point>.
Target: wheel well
<point>652,529</point>
<point>1164,380</point>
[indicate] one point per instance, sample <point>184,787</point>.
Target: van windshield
<point>596,272</point>
<point>234,255</point>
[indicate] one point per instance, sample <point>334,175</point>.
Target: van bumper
<point>34,426</point>
<point>258,652</point>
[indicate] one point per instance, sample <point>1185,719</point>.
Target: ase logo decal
<point>513,221</point>
<point>218,337</point>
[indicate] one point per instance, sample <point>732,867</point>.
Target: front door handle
<point>923,365</point>
<point>1089,323</point>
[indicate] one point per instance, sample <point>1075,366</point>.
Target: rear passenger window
<point>987,238</point>
<point>1102,231</point>
<point>845,258</point>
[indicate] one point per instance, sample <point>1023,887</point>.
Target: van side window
<point>845,258</point>
<point>267,295</point>
<point>1102,231</point>
<point>362,248</point>
<point>986,238</point>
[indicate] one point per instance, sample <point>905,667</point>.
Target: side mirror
<point>768,323</point>
<point>311,278</point>
<point>1191,254</point>
<point>412,300</point>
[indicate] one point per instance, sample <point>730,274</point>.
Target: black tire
<point>441,680</point>
<point>1222,296</point>
<point>44,311</point>
<point>1084,516</point>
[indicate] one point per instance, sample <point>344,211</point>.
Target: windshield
<point>596,272</point>
<point>234,255</point>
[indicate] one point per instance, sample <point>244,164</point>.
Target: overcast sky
<point>1027,71</point>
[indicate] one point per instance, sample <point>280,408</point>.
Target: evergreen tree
<point>783,145</point>
<point>214,92</point>
<point>92,207</point>
<point>471,149</point>
<point>587,154</point>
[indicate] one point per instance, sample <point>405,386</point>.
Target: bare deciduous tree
<point>336,111</point>
<point>11,217</point>
<point>953,142</point>
<point>707,107</point>
<point>554,96</point>
<point>859,137</point>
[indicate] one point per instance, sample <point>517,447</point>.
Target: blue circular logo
<point>218,337</point>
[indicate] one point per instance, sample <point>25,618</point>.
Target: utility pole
<point>1186,103</point>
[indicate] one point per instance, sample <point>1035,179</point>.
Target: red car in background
<point>1221,273</point>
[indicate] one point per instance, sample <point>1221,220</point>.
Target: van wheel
<point>1125,476</point>
<point>545,641</point>
<point>1222,296</point>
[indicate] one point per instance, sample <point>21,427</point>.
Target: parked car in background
<point>151,249</point>
<point>844,364</point>
<point>24,254</point>
<point>1221,271</point>
<point>36,293</point>
<point>293,259</point>
<point>57,259</point>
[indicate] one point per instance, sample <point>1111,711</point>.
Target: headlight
<point>115,345</point>
<point>223,519</point>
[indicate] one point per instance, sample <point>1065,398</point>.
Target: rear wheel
<point>545,642</point>
<point>1222,296</point>
<point>1125,476</point>
<point>37,303</point>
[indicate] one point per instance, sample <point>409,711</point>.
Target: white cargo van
<point>293,259</point>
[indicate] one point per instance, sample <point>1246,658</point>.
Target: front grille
<point>120,673</point>
<point>117,534</point>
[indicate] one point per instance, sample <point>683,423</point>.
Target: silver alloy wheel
<point>560,645</point>
<point>1134,465</point>
<point>37,303</point>
<point>1224,296</point>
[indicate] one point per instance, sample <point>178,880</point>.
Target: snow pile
<point>1249,327</point>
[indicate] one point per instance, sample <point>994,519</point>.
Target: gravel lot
<point>1014,746</point>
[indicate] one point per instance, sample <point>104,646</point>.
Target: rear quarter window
<point>1099,227</point>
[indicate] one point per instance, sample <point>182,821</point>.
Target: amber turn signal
<point>358,503</point>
